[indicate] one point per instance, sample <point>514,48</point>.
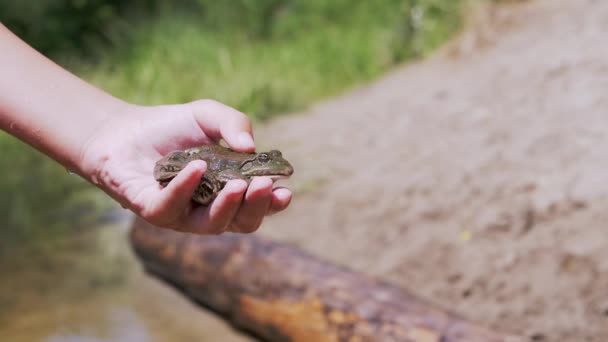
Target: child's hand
<point>120,157</point>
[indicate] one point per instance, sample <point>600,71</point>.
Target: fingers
<point>238,208</point>
<point>216,218</point>
<point>220,121</point>
<point>281,197</point>
<point>256,204</point>
<point>175,198</point>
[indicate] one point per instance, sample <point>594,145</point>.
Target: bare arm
<point>46,106</point>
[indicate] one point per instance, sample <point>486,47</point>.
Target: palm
<point>142,137</point>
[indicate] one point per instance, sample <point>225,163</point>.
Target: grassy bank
<point>264,58</point>
<point>308,53</point>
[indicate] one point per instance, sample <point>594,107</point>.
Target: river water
<point>90,288</point>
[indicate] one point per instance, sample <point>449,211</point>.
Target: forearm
<point>48,107</point>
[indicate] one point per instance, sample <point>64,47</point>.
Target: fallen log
<point>279,293</point>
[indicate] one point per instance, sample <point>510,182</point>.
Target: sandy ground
<point>476,178</point>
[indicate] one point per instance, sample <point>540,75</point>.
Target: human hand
<point>115,145</point>
<point>120,157</point>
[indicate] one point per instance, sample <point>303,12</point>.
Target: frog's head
<point>271,164</point>
<point>169,166</point>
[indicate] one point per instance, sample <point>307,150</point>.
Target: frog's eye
<point>263,158</point>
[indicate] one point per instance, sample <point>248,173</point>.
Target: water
<point>92,289</point>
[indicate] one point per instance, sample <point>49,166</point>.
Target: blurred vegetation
<point>38,197</point>
<point>263,57</point>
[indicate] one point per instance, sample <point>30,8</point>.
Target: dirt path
<point>477,178</point>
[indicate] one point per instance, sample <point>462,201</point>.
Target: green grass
<point>275,60</point>
<point>177,59</point>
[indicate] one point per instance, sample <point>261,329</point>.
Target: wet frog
<point>223,164</point>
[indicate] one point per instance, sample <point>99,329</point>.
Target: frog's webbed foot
<point>168,167</point>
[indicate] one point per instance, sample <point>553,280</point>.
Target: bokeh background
<point>67,272</point>
<point>264,57</point>
<point>455,148</point>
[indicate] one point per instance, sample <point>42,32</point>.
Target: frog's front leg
<point>212,183</point>
<point>208,188</point>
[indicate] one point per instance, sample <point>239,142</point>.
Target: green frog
<point>223,164</point>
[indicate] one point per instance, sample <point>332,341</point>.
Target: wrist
<point>98,147</point>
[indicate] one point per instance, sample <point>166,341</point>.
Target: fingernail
<point>264,182</point>
<point>246,140</point>
<point>199,164</point>
<point>237,185</point>
<point>284,193</point>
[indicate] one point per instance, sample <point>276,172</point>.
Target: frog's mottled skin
<point>223,164</point>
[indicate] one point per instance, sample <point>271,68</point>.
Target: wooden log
<point>279,293</point>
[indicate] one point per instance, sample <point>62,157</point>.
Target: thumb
<point>175,198</point>
<point>220,121</point>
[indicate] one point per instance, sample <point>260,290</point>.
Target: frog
<point>223,164</point>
